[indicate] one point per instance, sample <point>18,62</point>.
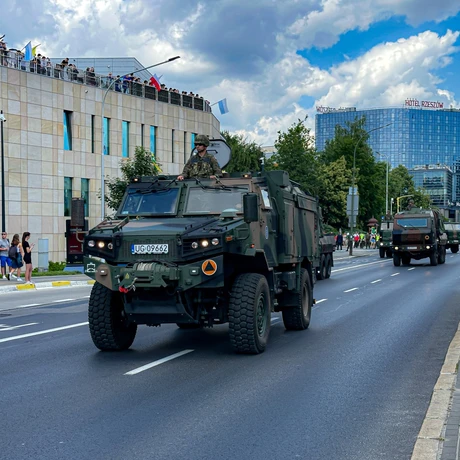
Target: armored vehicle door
<point>269,226</point>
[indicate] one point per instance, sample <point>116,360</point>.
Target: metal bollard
<point>43,255</point>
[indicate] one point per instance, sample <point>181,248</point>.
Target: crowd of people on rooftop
<point>128,84</point>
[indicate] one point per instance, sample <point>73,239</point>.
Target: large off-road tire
<point>389,253</point>
<point>321,272</point>
<point>297,318</point>
<point>109,328</point>
<point>434,258</point>
<point>442,255</point>
<point>328,264</point>
<point>405,260</point>
<point>396,260</point>
<point>454,249</point>
<point>249,313</point>
<point>382,252</point>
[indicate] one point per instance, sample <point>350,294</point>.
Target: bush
<point>56,266</point>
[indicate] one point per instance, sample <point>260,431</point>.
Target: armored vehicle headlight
<point>215,241</point>
<point>428,246</point>
<point>205,243</point>
<point>194,245</point>
<point>381,244</point>
<point>91,243</point>
<point>100,244</point>
<point>396,248</point>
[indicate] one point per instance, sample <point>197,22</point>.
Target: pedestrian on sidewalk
<point>27,249</point>
<point>4,260</point>
<point>16,255</point>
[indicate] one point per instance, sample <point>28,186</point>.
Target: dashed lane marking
<point>376,281</point>
<point>47,331</point>
<point>409,269</point>
<point>352,289</point>
<point>319,301</point>
<point>395,274</point>
<point>7,327</point>
<point>158,362</point>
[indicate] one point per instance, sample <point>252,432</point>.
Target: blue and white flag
<point>223,106</point>
<point>28,52</point>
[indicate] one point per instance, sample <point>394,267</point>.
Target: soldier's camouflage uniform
<point>204,166</point>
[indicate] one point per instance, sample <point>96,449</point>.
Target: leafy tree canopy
<point>245,155</point>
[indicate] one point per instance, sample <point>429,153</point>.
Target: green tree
<point>245,155</point>
<point>142,164</point>
<point>368,177</point>
<point>334,179</point>
<point>295,153</point>
<point>401,184</point>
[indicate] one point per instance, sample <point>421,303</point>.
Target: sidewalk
<point>42,282</point>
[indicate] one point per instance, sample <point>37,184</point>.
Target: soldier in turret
<point>203,164</point>
<point>410,205</point>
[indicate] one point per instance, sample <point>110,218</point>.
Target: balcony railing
<point>89,78</point>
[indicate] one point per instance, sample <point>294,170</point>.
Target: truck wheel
<point>321,272</point>
<point>297,318</point>
<point>454,249</point>
<point>434,258</point>
<point>396,260</point>
<point>249,313</point>
<point>382,252</point>
<point>442,256</point>
<point>328,264</point>
<point>109,328</point>
<point>389,253</point>
<point>405,260</point>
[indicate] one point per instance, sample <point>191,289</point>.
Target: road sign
<point>355,204</point>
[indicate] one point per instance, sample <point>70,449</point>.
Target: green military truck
<point>204,252</point>
<point>386,238</point>
<point>453,235</point>
<point>327,248</point>
<point>417,234</point>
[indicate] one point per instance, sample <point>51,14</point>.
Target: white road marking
<point>5,327</point>
<point>352,289</point>
<point>319,301</point>
<point>394,274</point>
<point>376,281</point>
<point>30,305</point>
<point>62,300</point>
<point>158,362</point>
<point>24,336</point>
<point>358,266</point>
<point>409,269</point>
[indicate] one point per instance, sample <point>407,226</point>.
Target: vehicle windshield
<point>452,226</point>
<point>215,200</point>
<point>146,202</point>
<point>412,222</point>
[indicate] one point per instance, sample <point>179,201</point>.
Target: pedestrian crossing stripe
<point>209,267</point>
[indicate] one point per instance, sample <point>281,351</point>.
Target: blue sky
<point>273,60</point>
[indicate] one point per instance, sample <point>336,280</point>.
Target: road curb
<point>429,443</point>
<point>45,285</point>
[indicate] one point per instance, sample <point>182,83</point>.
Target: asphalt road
<point>355,385</point>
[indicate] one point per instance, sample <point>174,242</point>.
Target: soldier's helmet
<point>202,139</point>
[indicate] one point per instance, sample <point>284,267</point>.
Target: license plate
<point>149,249</point>
<point>411,247</point>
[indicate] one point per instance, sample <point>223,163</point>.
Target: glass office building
<point>415,137</point>
<point>437,180</point>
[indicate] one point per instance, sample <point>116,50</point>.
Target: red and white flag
<point>155,81</point>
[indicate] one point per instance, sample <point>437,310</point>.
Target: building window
<point>142,135</point>
<point>67,130</point>
<point>153,142</point>
<point>192,140</point>
<point>85,195</point>
<point>93,130</point>
<point>185,148</point>
<point>172,146</point>
<point>67,195</point>
<point>106,136</point>
<point>125,139</point>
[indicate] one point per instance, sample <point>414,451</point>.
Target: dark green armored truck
<point>453,235</point>
<point>417,234</point>
<point>386,238</point>
<point>204,252</point>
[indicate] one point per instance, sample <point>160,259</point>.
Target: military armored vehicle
<point>326,247</point>
<point>417,234</point>
<point>204,252</point>
<point>453,235</point>
<point>386,238</point>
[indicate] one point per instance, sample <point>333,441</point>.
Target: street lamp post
<point>2,120</point>
<point>353,177</point>
<point>102,125</point>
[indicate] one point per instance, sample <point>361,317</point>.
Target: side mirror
<point>251,207</point>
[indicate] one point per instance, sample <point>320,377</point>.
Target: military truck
<point>327,247</point>
<point>386,238</point>
<point>417,234</point>
<point>204,252</point>
<point>453,235</point>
